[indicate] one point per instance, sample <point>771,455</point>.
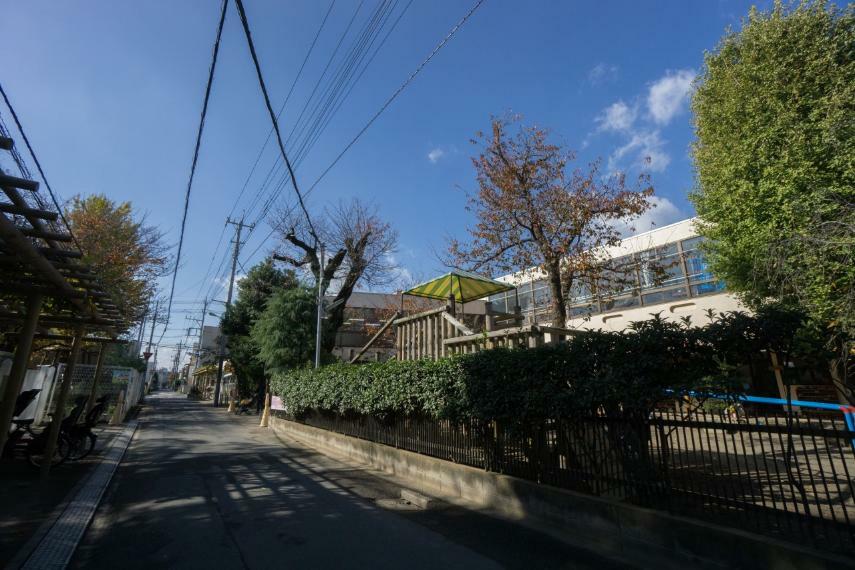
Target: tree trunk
<point>335,317</point>
<point>559,308</point>
<point>838,368</point>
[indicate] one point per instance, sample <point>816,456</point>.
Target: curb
<point>59,543</point>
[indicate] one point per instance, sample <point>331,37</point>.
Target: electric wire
<point>284,104</point>
<point>210,82</point>
<point>376,115</point>
<point>331,95</point>
<point>248,34</point>
<point>204,279</point>
<point>338,106</point>
<point>400,89</point>
<point>38,166</point>
<point>277,162</point>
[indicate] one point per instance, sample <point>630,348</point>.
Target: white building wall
<point>695,307</point>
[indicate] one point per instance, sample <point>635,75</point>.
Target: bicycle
<point>81,437</point>
<point>31,443</point>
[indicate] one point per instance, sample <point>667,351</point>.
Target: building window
<point>665,296</point>
<point>581,311</point>
<point>707,288</point>
<point>661,267</point>
<point>500,303</point>
<point>660,275</point>
<point>623,302</point>
<point>542,295</point>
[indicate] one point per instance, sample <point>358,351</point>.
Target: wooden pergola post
<point>19,366</point>
<point>99,365</point>
<point>65,387</point>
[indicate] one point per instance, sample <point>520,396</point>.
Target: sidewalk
<point>28,503</point>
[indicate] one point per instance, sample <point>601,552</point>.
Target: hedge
<point>626,370</point>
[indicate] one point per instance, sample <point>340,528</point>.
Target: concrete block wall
<point>647,537</point>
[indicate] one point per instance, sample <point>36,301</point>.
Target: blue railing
<point>847,411</point>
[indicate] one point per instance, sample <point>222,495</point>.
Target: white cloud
<point>602,73</point>
<point>617,117</point>
<point>662,213</point>
<point>435,155</point>
<point>643,147</point>
<point>646,149</point>
<point>667,96</point>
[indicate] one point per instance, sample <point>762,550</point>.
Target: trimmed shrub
<point>629,370</point>
<point>422,387</point>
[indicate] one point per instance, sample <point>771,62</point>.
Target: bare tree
<point>532,211</point>
<point>360,248</point>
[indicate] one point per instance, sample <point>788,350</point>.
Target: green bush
<point>629,370</point>
<point>422,387</point>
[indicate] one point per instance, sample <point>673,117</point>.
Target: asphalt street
<point>200,488</point>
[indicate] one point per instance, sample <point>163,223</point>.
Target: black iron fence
<point>782,475</point>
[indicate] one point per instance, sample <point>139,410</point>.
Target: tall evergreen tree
<point>775,161</point>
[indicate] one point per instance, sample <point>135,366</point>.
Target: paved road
<point>200,488</point>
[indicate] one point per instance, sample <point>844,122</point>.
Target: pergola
<point>39,262</point>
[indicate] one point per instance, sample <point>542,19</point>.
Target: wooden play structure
<point>448,330</point>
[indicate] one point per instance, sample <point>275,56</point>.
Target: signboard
<point>121,376</point>
<point>276,403</point>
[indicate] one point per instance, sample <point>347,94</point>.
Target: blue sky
<point>110,93</point>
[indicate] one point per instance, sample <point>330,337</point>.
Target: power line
<point>274,167</point>
<point>336,91</point>
<point>403,86</point>
<point>332,93</point>
<point>282,107</point>
<point>299,126</point>
<point>385,105</point>
<point>245,22</point>
<point>353,84</point>
<point>196,153</point>
<point>38,166</point>
<point>356,51</point>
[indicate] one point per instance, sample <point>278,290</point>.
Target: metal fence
<point>783,475</point>
<point>113,380</point>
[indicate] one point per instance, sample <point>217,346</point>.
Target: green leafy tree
<point>775,161</point>
<point>285,333</point>
<point>254,290</point>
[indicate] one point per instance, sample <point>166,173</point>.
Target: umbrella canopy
<point>464,285</point>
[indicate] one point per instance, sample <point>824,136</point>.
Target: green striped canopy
<point>465,286</point>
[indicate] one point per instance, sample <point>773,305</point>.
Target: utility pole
<point>177,362</point>
<point>320,310</point>
<point>151,337</point>
<point>141,334</point>
<point>201,332</point>
<point>239,225</point>
<point>153,325</point>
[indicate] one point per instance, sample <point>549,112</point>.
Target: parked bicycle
<point>33,444</point>
<point>80,436</point>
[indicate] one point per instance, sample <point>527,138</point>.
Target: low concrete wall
<point>644,536</point>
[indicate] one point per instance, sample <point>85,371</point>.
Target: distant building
<point>204,354</point>
<point>364,314</point>
<point>207,352</point>
<point>688,288</point>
